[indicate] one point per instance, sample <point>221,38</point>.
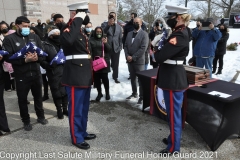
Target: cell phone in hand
<point>104,35</point>
<point>205,25</point>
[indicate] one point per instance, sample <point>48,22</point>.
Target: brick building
<point>42,9</point>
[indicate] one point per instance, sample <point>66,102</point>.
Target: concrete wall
<point>10,10</point>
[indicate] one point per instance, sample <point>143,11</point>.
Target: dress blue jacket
<point>206,42</point>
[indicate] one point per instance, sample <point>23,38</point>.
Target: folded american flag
<point>3,53</point>
<point>30,47</point>
<point>59,58</point>
<point>163,39</point>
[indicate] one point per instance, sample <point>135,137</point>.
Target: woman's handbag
<point>99,62</point>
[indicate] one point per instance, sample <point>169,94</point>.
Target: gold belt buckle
<point>89,56</point>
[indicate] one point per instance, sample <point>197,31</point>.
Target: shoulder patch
<point>66,30</point>
<point>173,41</point>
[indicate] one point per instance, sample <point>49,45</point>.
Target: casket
<point>196,75</point>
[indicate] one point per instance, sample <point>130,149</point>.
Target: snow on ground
<point>119,92</point>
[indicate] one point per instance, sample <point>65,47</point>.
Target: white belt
<point>84,56</point>
<point>175,62</point>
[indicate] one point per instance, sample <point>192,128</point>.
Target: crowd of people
<point>70,83</point>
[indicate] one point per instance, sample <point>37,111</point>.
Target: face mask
<point>88,29</point>
<point>59,25</point>
<point>172,22</point>
<point>25,31</point>
<point>99,35</point>
<point>136,26</point>
<point>198,25</point>
<point>43,27</point>
<point>39,23</point>
<point>4,31</point>
<point>56,36</point>
<point>222,30</point>
<point>160,25</point>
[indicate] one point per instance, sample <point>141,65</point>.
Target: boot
<point>58,102</point>
<point>214,70</point>
<point>99,96</point>
<point>219,71</point>
<point>107,97</point>
<point>64,105</point>
<point>60,113</point>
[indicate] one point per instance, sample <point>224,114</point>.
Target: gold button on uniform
<point>81,65</point>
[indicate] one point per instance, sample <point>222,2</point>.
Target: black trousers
<point>115,63</point>
<point>218,58</point>
<point>24,85</point>
<point>45,85</point>
<point>61,103</point>
<point>9,83</point>
<point>97,80</point>
<point>3,118</point>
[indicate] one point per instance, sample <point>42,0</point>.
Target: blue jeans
<point>146,66</point>
<point>205,62</point>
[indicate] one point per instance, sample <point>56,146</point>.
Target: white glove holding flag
<point>81,15</point>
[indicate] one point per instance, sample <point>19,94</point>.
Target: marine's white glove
<point>81,15</point>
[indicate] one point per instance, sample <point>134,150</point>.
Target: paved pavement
<point>123,132</point>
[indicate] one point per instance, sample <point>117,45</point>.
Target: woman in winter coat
<point>97,44</point>
<point>221,49</point>
<point>54,72</point>
<point>3,118</point>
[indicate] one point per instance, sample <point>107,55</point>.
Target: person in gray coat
<point>114,36</point>
<point>135,47</point>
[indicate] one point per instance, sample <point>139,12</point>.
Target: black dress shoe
<point>43,121</point>
<point>60,114</point>
<point>116,80</point>
<point>99,96</point>
<point>165,151</point>
<point>1,133</point>
<point>83,145</point>
<point>165,141</point>
<point>27,127</point>
<point>90,136</point>
<point>107,97</point>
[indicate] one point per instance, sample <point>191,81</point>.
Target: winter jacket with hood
<point>206,42</point>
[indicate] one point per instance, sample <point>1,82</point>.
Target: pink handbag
<point>99,62</point>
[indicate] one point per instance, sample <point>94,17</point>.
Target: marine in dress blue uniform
<point>77,74</point>
<point>172,77</point>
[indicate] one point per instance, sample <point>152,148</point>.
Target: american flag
<point>3,53</point>
<point>59,58</point>
<point>163,39</point>
<point>30,47</point>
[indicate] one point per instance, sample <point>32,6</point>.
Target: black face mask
<point>4,31</point>
<point>39,23</point>
<point>56,36</point>
<point>55,39</point>
<point>136,26</point>
<point>172,22</point>
<point>59,25</point>
<point>198,25</point>
<point>222,30</point>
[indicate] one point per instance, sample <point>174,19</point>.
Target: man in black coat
<point>26,70</point>
<point>77,74</point>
